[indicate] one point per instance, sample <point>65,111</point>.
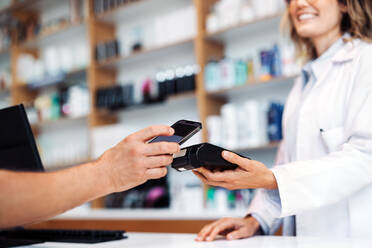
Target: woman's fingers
<point>236,159</point>
<point>211,183</point>
<point>200,176</point>
<point>204,232</point>
<point>215,176</point>
<point>238,234</point>
<point>219,228</point>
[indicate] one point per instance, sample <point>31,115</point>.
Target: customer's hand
<point>134,161</point>
<point>250,174</point>
<point>231,228</point>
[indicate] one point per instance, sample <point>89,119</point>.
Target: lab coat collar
<point>340,52</point>
<point>347,53</point>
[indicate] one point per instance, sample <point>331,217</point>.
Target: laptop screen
<point>18,149</point>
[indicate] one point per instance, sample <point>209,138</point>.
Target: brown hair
<point>357,21</point>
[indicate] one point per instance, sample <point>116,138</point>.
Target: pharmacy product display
<point>165,84</point>
<point>5,77</point>
<point>267,64</point>
<point>71,102</point>
<point>227,13</point>
<point>64,148</point>
<point>101,6</point>
<point>5,34</point>
<point>222,200</point>
<point>30,28</point>
<point>152,194</point>
<point>107,50</point>
<point>246,125</point>
<point>169,28</point>
<point>55,64</point>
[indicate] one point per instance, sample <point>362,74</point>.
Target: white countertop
<point>143,214</point>
<point>152,240</point>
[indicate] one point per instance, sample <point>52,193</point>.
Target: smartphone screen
<point>183,130</point>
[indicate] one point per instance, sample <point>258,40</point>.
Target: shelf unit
<point>145,54</point>
<point>254,26</point>
<point>101,28</point>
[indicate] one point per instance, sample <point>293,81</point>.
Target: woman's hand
<point>249,175</point>
<point>231,228</point>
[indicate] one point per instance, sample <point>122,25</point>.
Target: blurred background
<point>93,71</point>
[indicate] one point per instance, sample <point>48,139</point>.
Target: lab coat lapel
<point>321,70</point>
<point>306,120</point>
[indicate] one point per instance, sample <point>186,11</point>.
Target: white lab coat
<point>329,188</point>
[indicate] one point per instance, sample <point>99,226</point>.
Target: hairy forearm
<point>30,197</point>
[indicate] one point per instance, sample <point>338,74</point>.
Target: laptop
<point>18,151</point>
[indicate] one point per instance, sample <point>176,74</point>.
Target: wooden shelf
<point>4,53</point>
<point>56,79</point>
<point>151,106</point>
<point>131,10</point>
<point>16,6</point>
<point>147,54</point>
<point>252,85</point>
<point>5,91</point>
<point>262,24</point>
<point>120,10</point>
<point>59,33</point>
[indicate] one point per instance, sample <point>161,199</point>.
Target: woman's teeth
<point>306,17</point>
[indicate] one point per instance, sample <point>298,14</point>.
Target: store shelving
<point>16,5</point>
<point>55,34</point>
<point>132,9</point>
<point>261,24</point>
<point>4,53</point>
<point>5,91</point>
<point>147,54</point>
<point>56,79</point>
<point>153,106</point>
<point>252,86</point>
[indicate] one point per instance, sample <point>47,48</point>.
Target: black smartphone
<point>183,130</point>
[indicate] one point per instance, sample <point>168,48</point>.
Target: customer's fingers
<point>160,148</point>
<point>151,132</point>
<point>158,161</point>
<point>156,173</point>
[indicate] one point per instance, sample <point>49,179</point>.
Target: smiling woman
<point>351,16</point>
<point>321,184</point>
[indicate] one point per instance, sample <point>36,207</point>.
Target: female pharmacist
<point>322,182</point>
